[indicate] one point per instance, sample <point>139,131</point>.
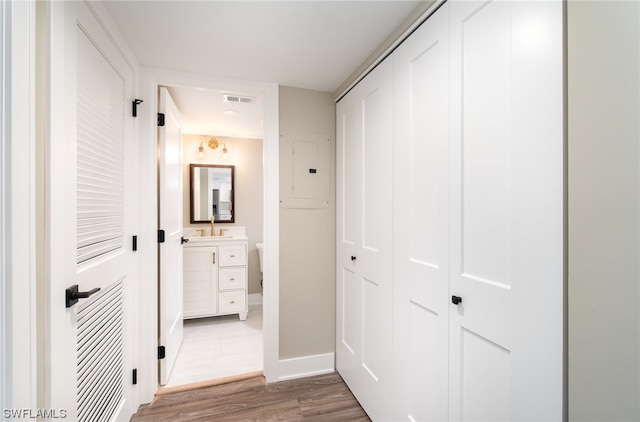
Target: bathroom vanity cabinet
<point>215,276</point>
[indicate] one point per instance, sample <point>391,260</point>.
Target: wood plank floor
<point>318,398</point>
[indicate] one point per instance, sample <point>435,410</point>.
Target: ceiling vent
<point>229,98</point>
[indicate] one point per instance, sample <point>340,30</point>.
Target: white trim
<point>306,366</point>
<point>149,82</point>
<point>19,372</point>
<point>147,242</point>
<point>271,233</point>
<point>3,141</point>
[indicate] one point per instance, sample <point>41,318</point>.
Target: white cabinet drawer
<point>231,302</point>
<point>231,278</point>
<point>232,255</point>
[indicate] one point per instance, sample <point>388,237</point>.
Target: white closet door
<point>421,219</point>
<point>364,192</point>
<point>506,210</point>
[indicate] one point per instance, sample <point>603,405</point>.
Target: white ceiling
<point>302,43</point>
<point>203,113</point>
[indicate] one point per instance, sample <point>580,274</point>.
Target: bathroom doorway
<point>224,346</point>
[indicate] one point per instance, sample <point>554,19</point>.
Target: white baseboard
<point>306,366</point>
<point>255,299</point>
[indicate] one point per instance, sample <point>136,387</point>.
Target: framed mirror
<point>212,193</point>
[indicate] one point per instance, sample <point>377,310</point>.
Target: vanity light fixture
<point>213,143</point>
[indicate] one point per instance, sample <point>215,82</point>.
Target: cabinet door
<point>506,210</point>
<point>421,219</point>
<point>200,281</point>
<point>364,174</point>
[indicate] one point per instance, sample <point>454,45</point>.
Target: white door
<point>421,219</point>
<point>364,201</point>
<point>506,210</point>
<point>90,204</point>
<point>170,220</point>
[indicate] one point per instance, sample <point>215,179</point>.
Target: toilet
<point>259,246</point>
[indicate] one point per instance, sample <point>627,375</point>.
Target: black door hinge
<point>160,236</point>
<point>134,377</point>
<point>161,352</point>
<point>134,110</point>
<point>160,119</point>
<point>134,243</point>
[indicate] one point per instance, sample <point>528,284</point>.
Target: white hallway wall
<point>604,210</point>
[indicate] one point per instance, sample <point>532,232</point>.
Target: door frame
<point>18,224</point>
<point>150,80</point>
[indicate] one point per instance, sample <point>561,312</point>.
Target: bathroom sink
<point>197,239</point>
<point>202,238</point>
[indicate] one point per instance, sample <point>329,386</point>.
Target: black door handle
<point>353,258</point>
<point>72,295</point>
<point>456,300</point>
<point>183,240</point>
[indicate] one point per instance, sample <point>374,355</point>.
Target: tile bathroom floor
<point>219,347</point>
